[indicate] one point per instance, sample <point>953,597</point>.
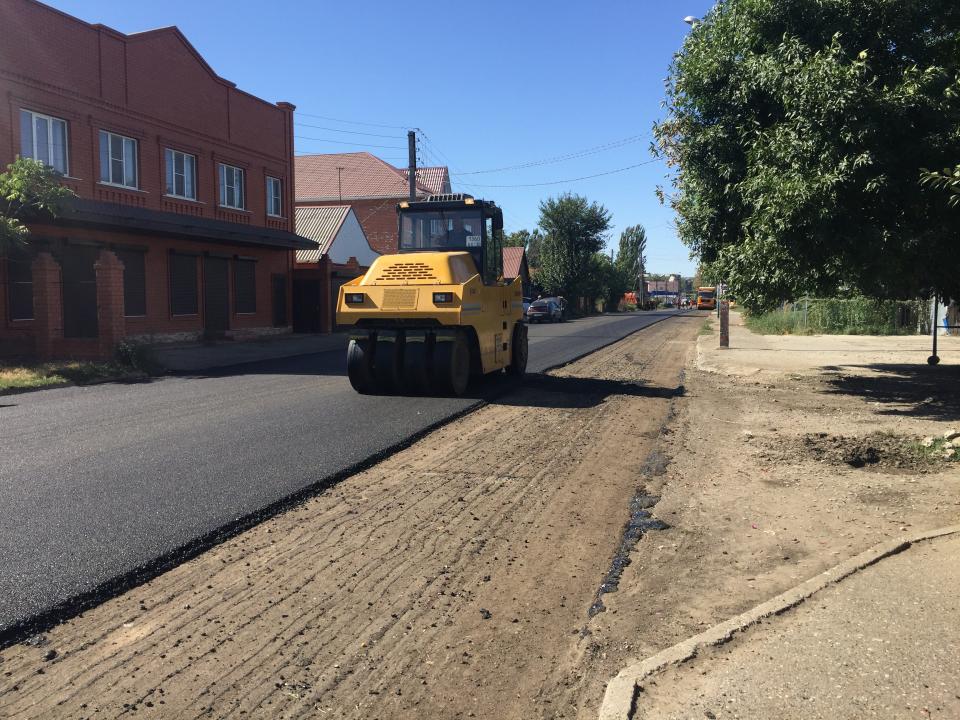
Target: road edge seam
<point>619,700</point>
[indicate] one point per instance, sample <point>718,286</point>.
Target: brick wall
<point>153,87</point>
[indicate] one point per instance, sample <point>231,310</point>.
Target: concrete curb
<point>621,694</point>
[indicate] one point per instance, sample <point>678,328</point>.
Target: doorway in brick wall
<point>79,291</point>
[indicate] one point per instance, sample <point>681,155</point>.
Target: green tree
<point>631,260</point>
<point>28,190</point>
<point>797,131</point>
<point>575,230</point>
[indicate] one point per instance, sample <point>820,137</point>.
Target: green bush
<point>844,316</point>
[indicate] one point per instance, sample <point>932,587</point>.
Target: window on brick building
<point>181,173</point>
<point>19,287</point>
<point>118,160</point>
<point>183,284</point>
<point>44,138</point>
<point>134,282</point>
<point>274,197</point>
<point>245,285</point>
<point>231,187</point>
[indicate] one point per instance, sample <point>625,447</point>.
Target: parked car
<point>545,310</point>
<point>526,306</point>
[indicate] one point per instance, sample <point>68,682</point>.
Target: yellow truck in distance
<point>706,298</point>
<point>439,312</point>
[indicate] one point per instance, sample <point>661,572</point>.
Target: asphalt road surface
<point>97,482</point>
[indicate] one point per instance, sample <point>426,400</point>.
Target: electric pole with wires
<point>412,152</point>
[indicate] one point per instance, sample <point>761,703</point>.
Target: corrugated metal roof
<point>320,224</point>
<point>512,261</point>
<point>437,179</point>
<point>361,175</point>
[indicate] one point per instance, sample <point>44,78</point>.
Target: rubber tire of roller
<point>519,351</point>
<point>387,362</point>
<point>416,364</point>
<point>359,367</point>
<point>451,366</point>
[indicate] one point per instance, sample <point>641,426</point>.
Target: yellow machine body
<point>401,291</point>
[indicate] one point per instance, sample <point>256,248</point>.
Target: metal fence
<point>859,316</point>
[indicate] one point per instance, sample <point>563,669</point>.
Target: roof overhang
<point>110,216</point>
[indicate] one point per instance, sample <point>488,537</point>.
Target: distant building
<point>183,226</point>
<point>342,253</point>
<point>370,186</point>
<point>515,266</point>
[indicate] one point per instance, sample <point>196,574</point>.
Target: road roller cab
<point>428,318</point>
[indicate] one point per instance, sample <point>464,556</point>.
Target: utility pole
<point>339,186</point>
<point>412,152</point>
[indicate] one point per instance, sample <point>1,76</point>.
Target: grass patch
<point>706,328</point>
<point>939,448</point>
<point>26,376</point>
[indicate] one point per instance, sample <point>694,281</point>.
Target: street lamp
<point>691,20</point>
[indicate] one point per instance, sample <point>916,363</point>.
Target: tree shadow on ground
<point>552,391</point>
<point>922,391</point>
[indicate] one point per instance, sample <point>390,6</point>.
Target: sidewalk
<point>877,635</point>
<point>195,357</point>
<point>883,642</point>
<point>750,353</point>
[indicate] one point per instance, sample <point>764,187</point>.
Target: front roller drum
<point>450,370</point>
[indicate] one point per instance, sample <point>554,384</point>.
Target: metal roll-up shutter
<point>183,284</point>
<point>20,288</point>
<point>245,285</point>
<point>134,282</point>
<point>79,291</point>
<point>216,294</point>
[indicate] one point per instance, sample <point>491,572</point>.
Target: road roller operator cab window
<point>465,229</point>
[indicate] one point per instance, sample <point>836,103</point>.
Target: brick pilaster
<point>326,307</point>
<point>47,305</point>
<point>111,326</point>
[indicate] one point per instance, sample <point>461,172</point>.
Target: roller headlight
<point>353,298</point>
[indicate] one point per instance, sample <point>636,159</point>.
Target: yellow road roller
<point>426,320</point>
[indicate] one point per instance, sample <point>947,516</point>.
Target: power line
<point>343,142</point>
<point>569,180</point>
<point>354,122</point>
<point>351,132</point>
<point>561,158</point>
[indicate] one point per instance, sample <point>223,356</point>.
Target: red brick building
<point>183,223</point>
<point>367,184</point>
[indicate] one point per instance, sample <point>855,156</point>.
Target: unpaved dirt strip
<point>452,580</point>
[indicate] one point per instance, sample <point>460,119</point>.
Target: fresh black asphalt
<point>98,482</point>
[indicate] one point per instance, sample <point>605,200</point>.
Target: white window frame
<point>238,188</point>
<point>274,197</point>
<point>106,173</point>
<point>33,138</point>
<point>169,160</point>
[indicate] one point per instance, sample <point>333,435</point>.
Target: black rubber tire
<point>417,350</point>
<point>519,351</point>
<point>359,366</point>
<point>388,361</point>
<point>450,366</point>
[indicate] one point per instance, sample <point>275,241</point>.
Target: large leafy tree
<point>797,132</point>
<point>28,190</point>
<point>631,261</point>
<point>575,230</point>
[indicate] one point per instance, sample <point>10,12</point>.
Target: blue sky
<point>491,84</point>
